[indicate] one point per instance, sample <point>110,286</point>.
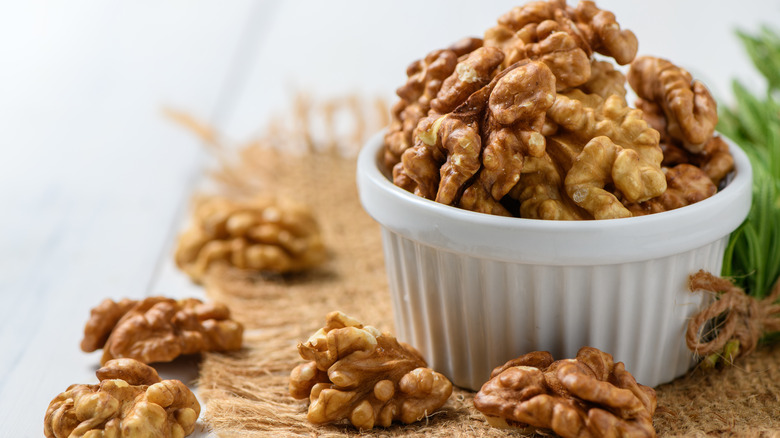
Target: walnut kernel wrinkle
<point>359,374</point>
<point>264,234</point>
<point>425,77</point>
<point>691,111</point>
<point>159,329</point>
<point>588,396</point>
<point>131,401</point>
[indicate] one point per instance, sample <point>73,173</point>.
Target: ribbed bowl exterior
<point>636,311</point>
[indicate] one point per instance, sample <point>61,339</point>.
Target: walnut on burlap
<point>246,392</point>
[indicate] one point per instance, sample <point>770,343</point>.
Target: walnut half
<point>359,374</point>
<point>274,235</point>
<point>130,401</point>
<point>159,329</point>
<point>589,396</point>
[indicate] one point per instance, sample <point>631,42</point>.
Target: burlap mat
<point>246,394</point>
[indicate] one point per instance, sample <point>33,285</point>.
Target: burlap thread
<point>733,316</point>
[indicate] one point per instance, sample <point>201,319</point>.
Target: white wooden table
<point>94,181</point>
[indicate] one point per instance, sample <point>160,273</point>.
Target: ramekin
<point>473,290</point>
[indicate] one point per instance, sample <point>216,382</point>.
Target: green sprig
<point>753,254</point>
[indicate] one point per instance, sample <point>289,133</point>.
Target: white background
<point>94,180</point>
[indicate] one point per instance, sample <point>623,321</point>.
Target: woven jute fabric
<point>246,392</point>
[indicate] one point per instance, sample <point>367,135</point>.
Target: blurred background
<point>94,179</point>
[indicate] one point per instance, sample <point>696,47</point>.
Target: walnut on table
<point>159,329</point>
<point>358,374</point>
<point>131,401</point>
<point>588,396</point>
<point>264,234</point>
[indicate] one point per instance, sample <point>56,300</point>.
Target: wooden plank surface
<point>94,181</point>
<point>93,176</point>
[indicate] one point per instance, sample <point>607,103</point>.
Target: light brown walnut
<point>588,396</point>
<point>604,80</point>
<point>515,117</point>
<point>447,150</point>
<point>601,142</point>
<point>471,74</point>
<point>604,34</point>
<point>425,77</point>
<point>691,111</point>
<point>159,329</point>
<point>540,192</point>
<point>263,234</point>
<point>358,374</point>
<point>686,185</point>
<point>561,36</point>
<point>131,401</point>
<point>553,43</point>
<point>715,159</point>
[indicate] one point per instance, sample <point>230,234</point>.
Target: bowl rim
<point>583,242</point>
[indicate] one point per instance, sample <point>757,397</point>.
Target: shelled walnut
<point>691,112</point>
<point>131,401</point>
<point>579,150</point>
<point>366,377</point>
<point>588,396</point>
<point>425,77</point>
<point>159,329</point>
<point>264,234</point>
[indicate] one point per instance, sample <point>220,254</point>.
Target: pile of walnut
<point>130,401</point>
<point>358,374</point>
<point>159,329</point>
<point>589,396</point>
<point>275,235</point>
<point>527,122</point>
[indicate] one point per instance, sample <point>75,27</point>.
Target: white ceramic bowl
<point>473,290</point>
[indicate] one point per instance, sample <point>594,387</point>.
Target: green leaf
<point>752,256</point>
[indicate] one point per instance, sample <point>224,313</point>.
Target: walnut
<point>517,107</point>
<point>562,37</point>
<point>605,80</point>
<point>548,42</point>
<point>445,156</point>
<point>448,152</point>
<point>604,34</point>
<point>587,396</point>
<point>266,234</point>
<point>425,78</point>
<point>601,142</point>
<point>715,159</point>
<point>130,401</point>
<point>366,377</point>
<point>686,185</point>
<point>691,112</point>
<point>539,192</point>
<point>470,75</point>
<point>159,329</point>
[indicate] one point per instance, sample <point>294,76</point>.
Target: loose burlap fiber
<point>246,393</point>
